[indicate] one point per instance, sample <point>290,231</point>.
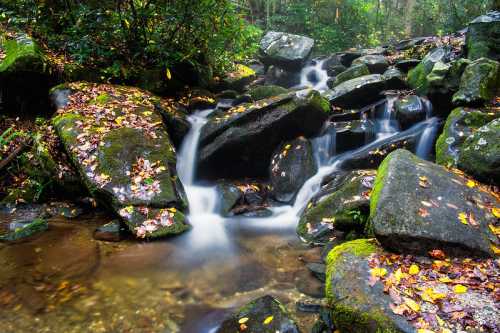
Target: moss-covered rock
<point>417,206</point>
<point>355,305</point>
<point>483,38</point>
<point>479,83</point>
<point>22,54</point>
<point>377,64</point>
<point>20,230</point>
<point>238,78</point>
<point>262,92</point>
<point>342,205</point>
<point>116,139</point>
<point>352,72</point>
<point>417,77</point>
<point>263,315</point>
<point>291,166</point>
<point>480,153</point>
<point>240,142</point>
<point>460,124</point>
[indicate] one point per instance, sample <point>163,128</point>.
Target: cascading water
<point>386,125</point>
<point>314,76</point>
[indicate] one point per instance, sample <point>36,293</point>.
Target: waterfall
<point>426,141</point>
<point>314,76</point>
<point>386,125</point>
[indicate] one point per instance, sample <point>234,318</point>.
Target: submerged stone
<point>24,229</point>
<point>417,206</point>
<point>263,315</point>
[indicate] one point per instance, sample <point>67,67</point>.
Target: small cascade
<point>386,125</point>
<point>314,76</point>
<point>427,106</point>
<point>426,141</point>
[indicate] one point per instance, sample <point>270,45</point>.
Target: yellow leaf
<point>429,295</point>
<point>445,279</point>
<point>495,230</point>
<point>398,274</point>
<point>496,212</point>
<point>378,272</point>
<point>243,320</point>
<point>460,289</point>
<point>268,320</point>
<point>471,183</point>
<point>147,113</point>
<point>412,304</point>
<point>414,270</point>
<point>288,146</point>
<point>127,24</point>
<point>424,330</point>
<point>169,75</point>
<point>495,249</point>
<point>462,217</point>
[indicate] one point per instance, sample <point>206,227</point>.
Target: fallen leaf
<point>462,217</point>
<point>378,272</point>
<point>243,320</point>
<point>471,183</point>
<point>414,270</point>
<point>412,304</point>
<point>496,212</point>
<point>437,254</point>
<point>268,320</point>
<point>460,289</point>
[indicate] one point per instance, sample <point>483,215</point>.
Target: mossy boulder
<point>285,50</point>
<point>24,229</point>
<point>291,166</point>
<point>417,206</point>
<point>483,38</point>
<point>480,153</point>
<point>352,72</point>
<point>240,142</point>
<point>460,124</point>
<point>22,54</point>
<point>355,305</point>
<point>417,77</point>
<point>262,92</point>
<point>342,205</point>
<point>377,64</point>
<point>238,78</point>
<point>116,139</point>
<point>479,83</point>
<point>263,315</point>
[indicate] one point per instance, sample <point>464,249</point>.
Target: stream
<point>65,281</point>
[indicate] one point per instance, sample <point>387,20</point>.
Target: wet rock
<point>480,155</point>
<point>410,110</point>
<point>355,305</point>
<point>263,315</point>
<point>343,205</point>
<point>238,78</point>
<point>24,229</point>
<point>230,195</point>
<point>479,82</point>
<point>407,64</point>
<point>417,77</point>
<point>309,285</point>
<point>240,142</point>
<point>318,270</point>
<point>116,139</point>
<point>25,76</point>
<point>291,166</point>
<point>377,64</point>
<point>353,134</point>
<point>175,119</point>
<point>358,92</point>
<point>346,58</point>
<point>352,72</point>
<point>460,124</point>
<point>262,92</point>
<point>308,307</point>
<point>333,65</point>
<point>281,77</point>
<point>417,206</point>
<point>285,50</point>
<point>482,38</point>
<point>394,79</point>
<point>199,99</point>
<point>109,232</point>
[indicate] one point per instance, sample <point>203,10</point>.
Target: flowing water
<point>65,281</point>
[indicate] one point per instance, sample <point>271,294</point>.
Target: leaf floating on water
<point>268,320</point>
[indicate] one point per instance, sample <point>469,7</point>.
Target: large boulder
<point>479,83</point>
<point>342,205</point>
<point>460,124</point>
<point>480,155</point>
<point>417,77</point>
<point>240,142</point>
<point>263,315</point>
<point>417,206</point>
<point>25,76</point>
<point>377,64</point>
<point>371,290</point>
<point>483,37</point>
<point>352,134</point>
<point>351,73</point>
<point>117,141</point>
<point>291,166</point>
<point>358,92</point>
<point>282,77</point>
<point>285,50</point>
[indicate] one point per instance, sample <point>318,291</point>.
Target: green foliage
<point>121,35</point>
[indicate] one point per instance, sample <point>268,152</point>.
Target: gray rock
<point>377,64</point>
<point>285,50</point>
